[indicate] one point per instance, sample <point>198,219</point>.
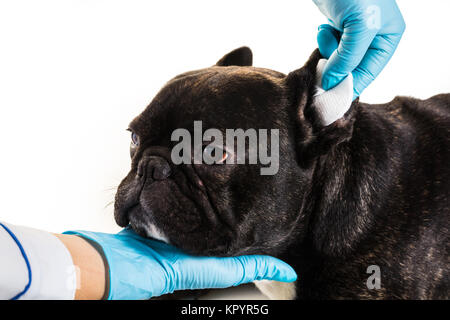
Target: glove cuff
<point>95,241</point>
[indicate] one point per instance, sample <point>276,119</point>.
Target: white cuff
<point>34,265</point>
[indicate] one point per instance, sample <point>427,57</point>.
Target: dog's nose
<point>154,167</point>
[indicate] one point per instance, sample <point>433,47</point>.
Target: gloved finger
<point>376,58</point>
<point>355,41</point>
<point>127,231</point>
<point>204,272</point>
<point>327,39</point>
<point>259,267</point>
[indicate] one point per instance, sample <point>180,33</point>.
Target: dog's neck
<point>344,196</point>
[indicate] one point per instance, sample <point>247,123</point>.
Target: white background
<point>73,74</point>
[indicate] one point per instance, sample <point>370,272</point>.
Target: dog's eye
<point>134,139</point>
<point>214,154</point>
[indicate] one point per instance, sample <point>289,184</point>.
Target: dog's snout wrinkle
<point>161,171</point>
<point>153,167</point>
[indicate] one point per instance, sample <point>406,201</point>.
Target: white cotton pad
<point>334,103</point>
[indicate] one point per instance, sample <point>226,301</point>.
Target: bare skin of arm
<point>90,268</point>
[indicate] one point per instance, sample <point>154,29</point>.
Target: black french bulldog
<point>370,189</point>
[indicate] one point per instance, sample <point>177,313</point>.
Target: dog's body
<point>381,199</point>
<point>371,189</point>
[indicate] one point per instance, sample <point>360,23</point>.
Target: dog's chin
<point>144,226</point>
<point>142,223</point>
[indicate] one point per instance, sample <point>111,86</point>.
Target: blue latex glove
<point>365,34</point>
<point>142,268</point>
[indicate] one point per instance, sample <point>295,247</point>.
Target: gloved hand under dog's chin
<point>141,268</point>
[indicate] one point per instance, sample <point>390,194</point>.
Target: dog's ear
<point>312,137</point>
<point>239,57</point>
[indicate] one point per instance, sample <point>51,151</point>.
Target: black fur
<point>370,189</point>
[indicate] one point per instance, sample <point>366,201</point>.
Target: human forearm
<point>89,266</point>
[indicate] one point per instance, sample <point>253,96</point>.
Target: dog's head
<point>228,206</point>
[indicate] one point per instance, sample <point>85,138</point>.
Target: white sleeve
<point>34,264</point>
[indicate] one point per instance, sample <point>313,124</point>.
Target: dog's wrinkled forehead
<point>222,84</point>
<point>221,97</point>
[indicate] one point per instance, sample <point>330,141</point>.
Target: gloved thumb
<point>327,40</point>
